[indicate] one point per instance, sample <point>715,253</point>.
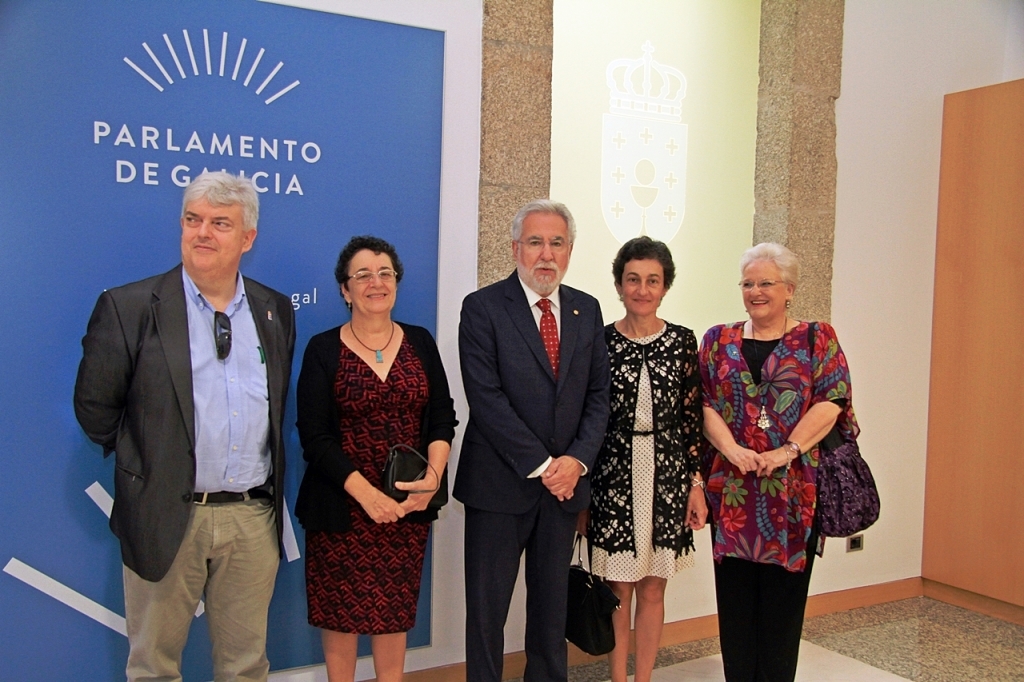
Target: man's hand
<point>561,475</point>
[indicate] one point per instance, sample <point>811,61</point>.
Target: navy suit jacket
<point>519,415</point>
<point>133,396</point>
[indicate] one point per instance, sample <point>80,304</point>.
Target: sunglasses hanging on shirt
<point>222,334</point>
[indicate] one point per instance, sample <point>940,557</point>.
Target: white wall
<point>899,59</point>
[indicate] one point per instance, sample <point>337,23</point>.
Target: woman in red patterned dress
<point>365,386</point>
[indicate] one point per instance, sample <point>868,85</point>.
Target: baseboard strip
<point>974,601</point>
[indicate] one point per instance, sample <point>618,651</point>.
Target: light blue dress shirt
<point>232,402</point>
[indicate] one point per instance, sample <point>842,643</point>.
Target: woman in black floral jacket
<point>647,495</point>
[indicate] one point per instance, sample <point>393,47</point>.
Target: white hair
<point>784,259</point>
<point>218,188</point>
<point>543,206</point>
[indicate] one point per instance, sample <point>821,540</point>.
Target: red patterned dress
<point>367,580</point>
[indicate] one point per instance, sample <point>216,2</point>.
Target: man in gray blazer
<point>184,377</point>
<point>535,370</point>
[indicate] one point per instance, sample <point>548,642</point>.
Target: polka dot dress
<point>660,562</point>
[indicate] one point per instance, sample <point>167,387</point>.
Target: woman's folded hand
<point>419,501</point>
<point>772,460</point>
<point>744,459</point>
<point>380,507</point>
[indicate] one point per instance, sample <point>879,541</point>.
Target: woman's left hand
<point>696,508</point>
<point>773,459</point>
<point>419,501</point>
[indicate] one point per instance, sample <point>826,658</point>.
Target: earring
<point>789,302</point>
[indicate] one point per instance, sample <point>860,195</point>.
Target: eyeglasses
<point>385,275</point>
<point>536,244</point>
<point>747,285</point>
<point>222,334</point>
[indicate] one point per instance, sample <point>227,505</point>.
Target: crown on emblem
<point>644,88</point>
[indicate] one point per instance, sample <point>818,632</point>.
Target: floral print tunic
<point>768,519</point>
<point>671,362</point>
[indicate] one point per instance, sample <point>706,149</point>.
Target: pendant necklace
<point>380,351</point>
<point>763,422</point>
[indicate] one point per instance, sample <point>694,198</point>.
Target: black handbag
<point>847,495</point>
<point>591,603</point>
<point>406,464</point>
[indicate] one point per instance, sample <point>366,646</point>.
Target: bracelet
<point>698,483</point>
<point>795,447</point>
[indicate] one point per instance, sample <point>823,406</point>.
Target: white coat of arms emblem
<point>643,149</point>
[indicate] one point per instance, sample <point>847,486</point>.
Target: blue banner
<point>107,110</point>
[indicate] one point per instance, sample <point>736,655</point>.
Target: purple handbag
<point>847,496</point>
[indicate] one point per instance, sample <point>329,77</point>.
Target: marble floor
<point>817,664</point>
<point>915,639</point>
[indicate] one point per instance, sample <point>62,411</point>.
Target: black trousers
<point>760,617</point>
<point>494,544</point>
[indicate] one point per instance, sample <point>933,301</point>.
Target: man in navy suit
<point>535,370</point>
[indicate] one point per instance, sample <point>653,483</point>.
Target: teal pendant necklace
<point>379,352</point>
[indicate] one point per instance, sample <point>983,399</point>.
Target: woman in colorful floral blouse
<point>647,494</point>
<point>768,399</point>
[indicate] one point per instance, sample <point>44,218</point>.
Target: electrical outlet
<point>855,543</point>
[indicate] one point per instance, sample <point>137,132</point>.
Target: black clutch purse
<point>406,464</point>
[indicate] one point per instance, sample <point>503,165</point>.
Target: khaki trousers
<point>230,553</point>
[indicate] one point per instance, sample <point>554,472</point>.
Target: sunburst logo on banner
<point>222,61</point>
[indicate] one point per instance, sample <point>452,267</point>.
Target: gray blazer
<point>133,396</point>
<point>519,415</point>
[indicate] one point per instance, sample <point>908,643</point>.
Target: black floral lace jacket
<point>676,397</point>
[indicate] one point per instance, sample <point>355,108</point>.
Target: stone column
<point>515,123</point>
<point>795,168</point>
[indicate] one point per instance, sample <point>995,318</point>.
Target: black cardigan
<point>323,504</point>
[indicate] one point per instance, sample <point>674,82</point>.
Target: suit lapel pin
<point>270,316</point>
<point>575,312</point>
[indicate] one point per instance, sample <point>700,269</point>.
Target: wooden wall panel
<point>974,492</point>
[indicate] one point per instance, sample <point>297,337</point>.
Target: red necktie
<point>549,333</point>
